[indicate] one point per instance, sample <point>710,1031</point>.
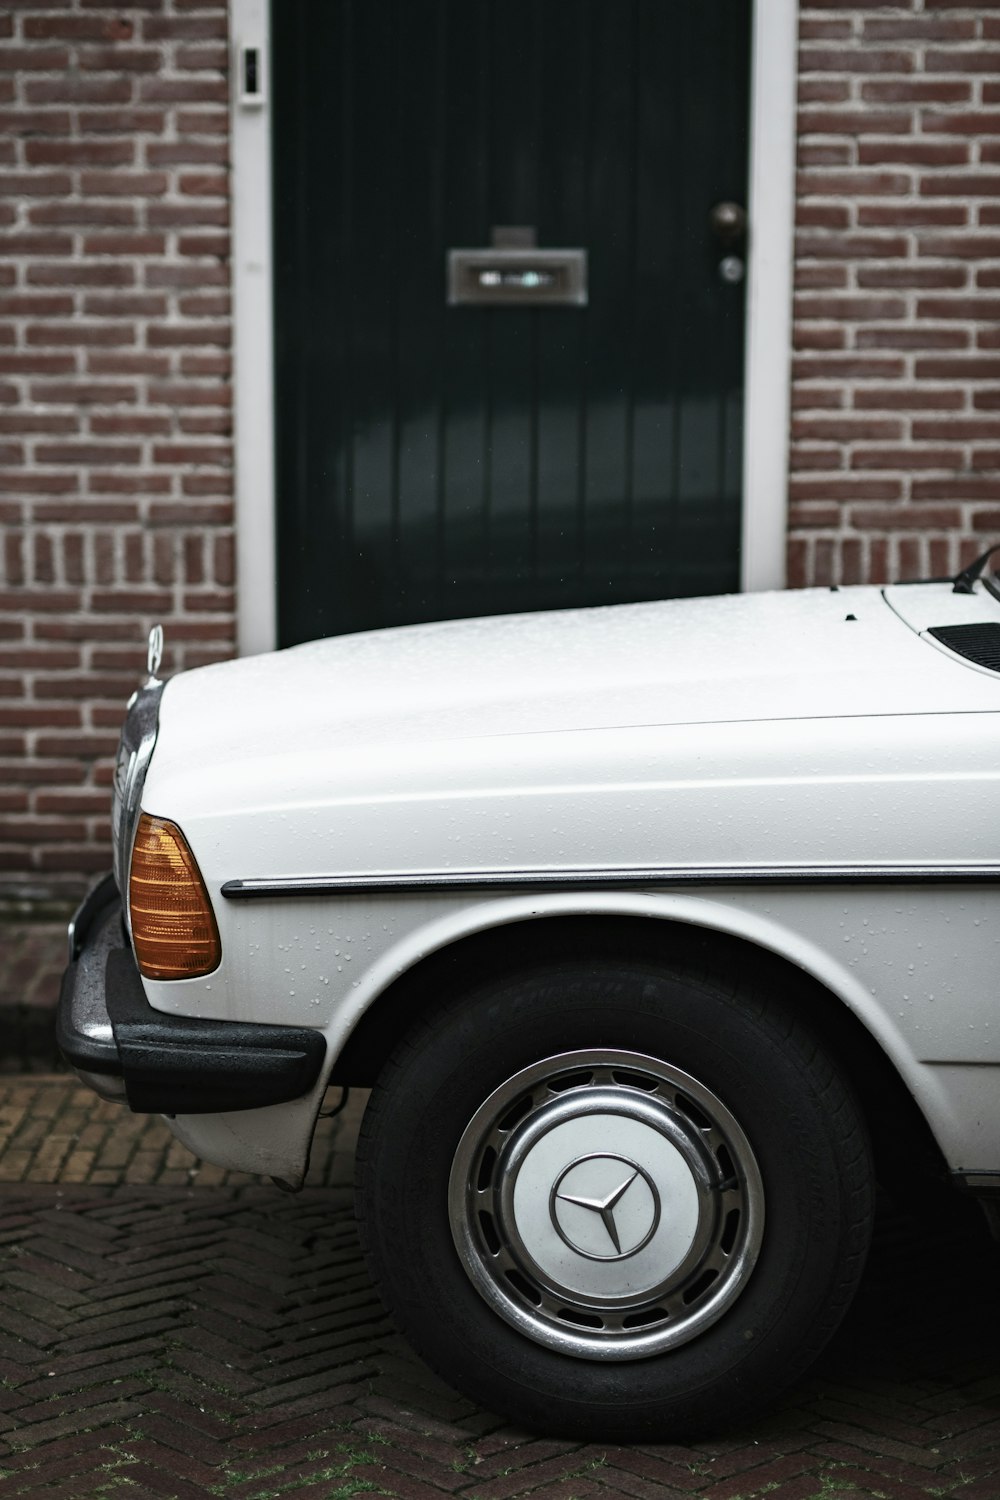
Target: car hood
<point>751,657</point>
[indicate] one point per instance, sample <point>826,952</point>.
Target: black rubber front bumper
<point>171,1065</point>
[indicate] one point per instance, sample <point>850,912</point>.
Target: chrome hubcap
<point>606,1204</point>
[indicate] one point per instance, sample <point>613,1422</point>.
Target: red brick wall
<point>115,460</point>
<point>115,455</point>
<point>896,439</point>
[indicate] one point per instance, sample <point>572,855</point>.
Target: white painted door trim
<point>253,334</point>
<point>771,207</point>
<point>770,266</point>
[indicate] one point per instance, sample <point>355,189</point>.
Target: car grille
<point>138,738</point>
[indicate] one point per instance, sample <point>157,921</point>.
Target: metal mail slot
<point>522,278</point>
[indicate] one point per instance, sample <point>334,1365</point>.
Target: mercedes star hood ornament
<point>154,652</point>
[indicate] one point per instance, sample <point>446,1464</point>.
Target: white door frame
<point>771,206</point>
<point>253,334</point>
<point>770,268</point>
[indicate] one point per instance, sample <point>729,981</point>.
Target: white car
<point>657,931</point>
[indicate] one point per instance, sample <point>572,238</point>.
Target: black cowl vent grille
<point>978,643</point>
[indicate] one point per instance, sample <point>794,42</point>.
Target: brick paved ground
<point>32,955</point>
<point>171,1330</point>
<point>168,1331</point>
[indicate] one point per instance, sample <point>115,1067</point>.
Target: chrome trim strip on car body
<point>983,1181</point>
<point>423,881</point>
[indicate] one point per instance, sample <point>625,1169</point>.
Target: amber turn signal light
<point>174,931</point>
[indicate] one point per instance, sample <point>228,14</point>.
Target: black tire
<point>764,1124</point>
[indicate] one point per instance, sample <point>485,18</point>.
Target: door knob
<point>729,222</point>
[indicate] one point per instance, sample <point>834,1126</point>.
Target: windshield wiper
<point>962,582</point>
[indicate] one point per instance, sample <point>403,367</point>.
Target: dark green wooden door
<point>436,461</point>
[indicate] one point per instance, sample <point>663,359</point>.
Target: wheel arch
<point>905,1148</point>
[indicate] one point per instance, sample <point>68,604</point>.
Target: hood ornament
<point>154,652</point>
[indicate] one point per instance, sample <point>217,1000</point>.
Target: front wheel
<point>612,1201</point>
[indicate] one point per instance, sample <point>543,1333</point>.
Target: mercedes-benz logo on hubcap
<point>604,1206</point>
